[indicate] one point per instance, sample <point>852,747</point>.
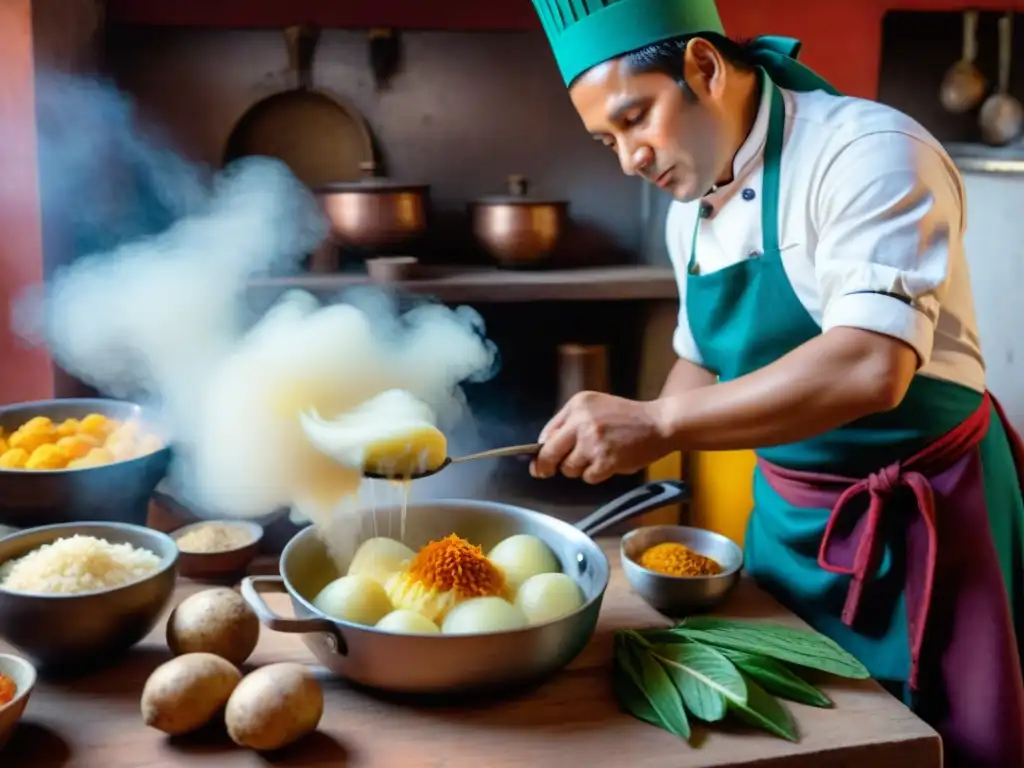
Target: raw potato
<point>403,622</point>
<point>378,558</point>
<point>481,615</point>
<point>214,621</point>
<point>548,596</point>
<point>358,599</point>
<point>522,556</point>
<point>183,694</point>
<point>274,706</point>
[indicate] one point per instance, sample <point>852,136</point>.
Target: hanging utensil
<point>315,133</point>
<point>1002,116</point>
<point>385,56</point>
<point>964,87</point>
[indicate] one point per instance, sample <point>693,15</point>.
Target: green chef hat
<point>585,33</point>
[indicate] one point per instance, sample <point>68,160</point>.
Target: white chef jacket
<point>872,216</point>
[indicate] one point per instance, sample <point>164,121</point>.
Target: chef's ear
<point>704,68</point>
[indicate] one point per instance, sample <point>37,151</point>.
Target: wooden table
<point>573,720</point>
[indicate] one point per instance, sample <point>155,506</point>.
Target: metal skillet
<point>445,664</point>
<point>530,449</point>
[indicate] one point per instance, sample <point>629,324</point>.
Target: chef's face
<point>669,134</point>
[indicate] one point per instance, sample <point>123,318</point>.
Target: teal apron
<point>746,316</point>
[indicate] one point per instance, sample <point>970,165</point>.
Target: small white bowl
<point>24,676</point>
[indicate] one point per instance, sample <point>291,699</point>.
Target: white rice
<point>77,564</point>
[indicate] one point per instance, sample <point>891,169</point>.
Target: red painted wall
<point>25,374</point>
<point>841,39</point>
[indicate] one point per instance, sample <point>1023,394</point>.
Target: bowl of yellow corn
<point>74,460</point>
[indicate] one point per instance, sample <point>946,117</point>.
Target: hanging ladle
<point>964,86</point>
<point>1002,116</point>
<point>530,449</point>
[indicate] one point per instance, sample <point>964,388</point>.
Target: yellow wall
<point>722,491</point>
<point>668,468</point>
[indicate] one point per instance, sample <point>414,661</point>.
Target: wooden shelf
<point>978,158</point>
<point>500,286</point>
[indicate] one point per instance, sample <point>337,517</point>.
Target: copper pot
<point>516,229</point>
<point>375,212</point>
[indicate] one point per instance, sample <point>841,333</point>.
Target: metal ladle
<point>964,86</point>
<point>530,449</point>
<point>1002,116</point>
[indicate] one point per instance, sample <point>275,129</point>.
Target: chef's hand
<point>596,436</point>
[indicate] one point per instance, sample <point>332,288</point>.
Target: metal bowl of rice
<point>76,594</point>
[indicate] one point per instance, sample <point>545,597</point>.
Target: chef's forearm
<point>831,380</point>
<point>684,377</point>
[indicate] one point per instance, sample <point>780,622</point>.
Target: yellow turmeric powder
<point>674,559</point>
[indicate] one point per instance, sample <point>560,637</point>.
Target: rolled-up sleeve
<point>889,212</point>
<point>676,240</point>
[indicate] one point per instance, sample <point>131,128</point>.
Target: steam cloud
<point>156,306</point>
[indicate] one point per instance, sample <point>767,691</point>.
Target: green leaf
<point>704,678</point>
<point>628,693</point>
<point>662,636</point>
<point>631,698</point>
<point>655,687</point>
<point>797,646</point>
<point>763,711</point>
<point>776,678</point>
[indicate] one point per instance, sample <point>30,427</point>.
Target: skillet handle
<point>649,496</point>
<point>251,588</point>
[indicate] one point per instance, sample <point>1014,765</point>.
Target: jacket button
<point>706,209</point>
<point>749,194</point>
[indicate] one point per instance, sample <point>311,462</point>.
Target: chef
<point>826,321</point>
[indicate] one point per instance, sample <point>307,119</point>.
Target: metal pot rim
<point>649,496</point>
<point>321,618</point>
<point>376,185</point>
<point>500,200</point>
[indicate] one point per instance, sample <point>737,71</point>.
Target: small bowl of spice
<point>217,549</point>
<point>679,570</point>
<point>17,679</point>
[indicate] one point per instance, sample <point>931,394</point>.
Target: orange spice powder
<point>7,690</point>
<point>674,559</point>
<point>453,564</point>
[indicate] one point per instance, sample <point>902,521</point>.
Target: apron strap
<point>850,521</point>
<point>771,178</point>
